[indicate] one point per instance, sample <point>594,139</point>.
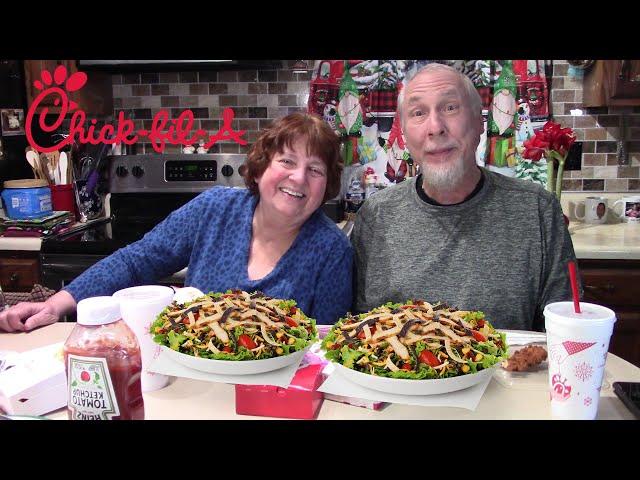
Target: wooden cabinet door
<point>95,98</point>
<point>33,71</point>
<point>18,272</point>
<point>616,285</point>
<point>612,83</point>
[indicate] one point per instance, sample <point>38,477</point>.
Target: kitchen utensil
<point>32,158</point>
<point>62,168</point>
<point>44,168</point>
<point>86,166</point>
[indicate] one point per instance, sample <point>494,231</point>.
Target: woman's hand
<point>26,316</point>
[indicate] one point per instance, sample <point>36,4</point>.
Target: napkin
<point>468,398</point>
<point>280,378</point>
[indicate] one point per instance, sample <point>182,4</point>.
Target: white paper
<point>280,378</point>
<point>524,337</point>
<point>468,398</point>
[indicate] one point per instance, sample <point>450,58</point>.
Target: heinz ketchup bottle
<point>103,363</point>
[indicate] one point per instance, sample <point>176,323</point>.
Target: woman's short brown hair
<point>321,142</point>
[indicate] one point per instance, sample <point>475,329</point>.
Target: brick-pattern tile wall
<point>256,96</point>
<point>599,129</point>
<point>259,96</point>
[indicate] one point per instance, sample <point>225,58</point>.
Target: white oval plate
<point>234,367</point>
<point>405,386</point>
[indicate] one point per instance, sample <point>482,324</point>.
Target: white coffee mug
<point>630,209</point>
<point>595,210</point>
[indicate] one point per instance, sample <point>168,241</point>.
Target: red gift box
<point>300,400</point>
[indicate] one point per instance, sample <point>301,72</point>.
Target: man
<point>457,232</point>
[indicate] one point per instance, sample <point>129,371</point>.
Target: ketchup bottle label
<point>91,394</point>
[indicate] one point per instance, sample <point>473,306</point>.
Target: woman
<point>272,236</point>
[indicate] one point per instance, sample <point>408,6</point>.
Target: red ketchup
<point>103,364</point>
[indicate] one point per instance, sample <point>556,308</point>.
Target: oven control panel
<point>203,170</point>
<point>175,172</point>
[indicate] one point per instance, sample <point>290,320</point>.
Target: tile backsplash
<point>599,130</point>
<point>259,96</point>
<point>256,96</point>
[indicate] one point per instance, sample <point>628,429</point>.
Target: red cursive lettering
<point>177,132</point>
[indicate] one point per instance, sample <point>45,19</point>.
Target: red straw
<point>574,286</point>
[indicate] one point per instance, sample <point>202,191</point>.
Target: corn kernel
<point>478,357</point>
<point>466,350</point>
<point>279,334</point>
<point>329,345</point>
<point>291,341</point>
<point>279,351</point>
<point>465,368</point>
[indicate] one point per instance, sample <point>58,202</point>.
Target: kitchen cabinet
<point>95,98</point>
<point>612,83</point>
<point>19,271</point>
<point>616,284</point>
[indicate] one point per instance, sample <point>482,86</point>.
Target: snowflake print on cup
<point>583,371</point>
<point>587,401</point>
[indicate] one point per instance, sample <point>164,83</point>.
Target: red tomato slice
<point>429,358</point>
<point>245,341</point>
<point>406,366</point>
<point>227,349</point>
<point>481,323</point>
<point>290,321</point>
<point>478,336</point>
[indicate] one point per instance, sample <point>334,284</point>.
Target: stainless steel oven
<point>143,190</point>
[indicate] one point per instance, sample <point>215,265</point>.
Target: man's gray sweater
<point>504,251</point>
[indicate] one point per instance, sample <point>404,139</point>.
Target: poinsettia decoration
<point>553,142</point>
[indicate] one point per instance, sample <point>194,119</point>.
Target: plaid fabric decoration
<point>321,95</point>
<point>37,294</point>
<point>383,100</point>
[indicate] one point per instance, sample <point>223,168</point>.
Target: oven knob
<point>227,170</point>
<point>137,171</point>
<point>121,171</point>
<point>242,170</point>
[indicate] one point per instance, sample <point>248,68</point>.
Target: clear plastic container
<point>103,364</point>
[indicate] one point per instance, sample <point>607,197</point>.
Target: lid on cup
<point>98,311</point>
<point>588,312</point>
<point>26,183</point>
<point>143,293</point>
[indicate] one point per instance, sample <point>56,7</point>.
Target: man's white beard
<point>446,176</point>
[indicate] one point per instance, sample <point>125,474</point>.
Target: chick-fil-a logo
<point>162,130</point>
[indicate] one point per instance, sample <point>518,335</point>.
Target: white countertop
<point>34,243</point>
<point>184,398</point>
<point>20,243</point>
<point>607,241</point>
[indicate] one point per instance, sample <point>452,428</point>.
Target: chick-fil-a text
<point>162,130</point>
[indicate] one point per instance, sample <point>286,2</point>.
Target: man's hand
<point>26,316</point>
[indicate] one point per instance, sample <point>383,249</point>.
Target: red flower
<point>551,138</point>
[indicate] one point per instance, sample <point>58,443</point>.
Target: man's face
<point>441,130</point>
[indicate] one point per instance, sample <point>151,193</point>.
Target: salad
<point>235,325</point>
<point>416,340</point>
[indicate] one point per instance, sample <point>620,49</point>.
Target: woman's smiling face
<point>294,183</point>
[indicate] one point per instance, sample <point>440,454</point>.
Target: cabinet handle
<point>596,288</point>
<point>13,278</point>
<point>623,74</point>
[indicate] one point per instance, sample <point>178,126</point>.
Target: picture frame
<point>12,121</point>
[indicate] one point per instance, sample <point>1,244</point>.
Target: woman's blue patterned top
<point>211,235</point>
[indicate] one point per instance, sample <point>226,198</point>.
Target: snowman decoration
<point>329,115</point>
<point>525,129</point>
